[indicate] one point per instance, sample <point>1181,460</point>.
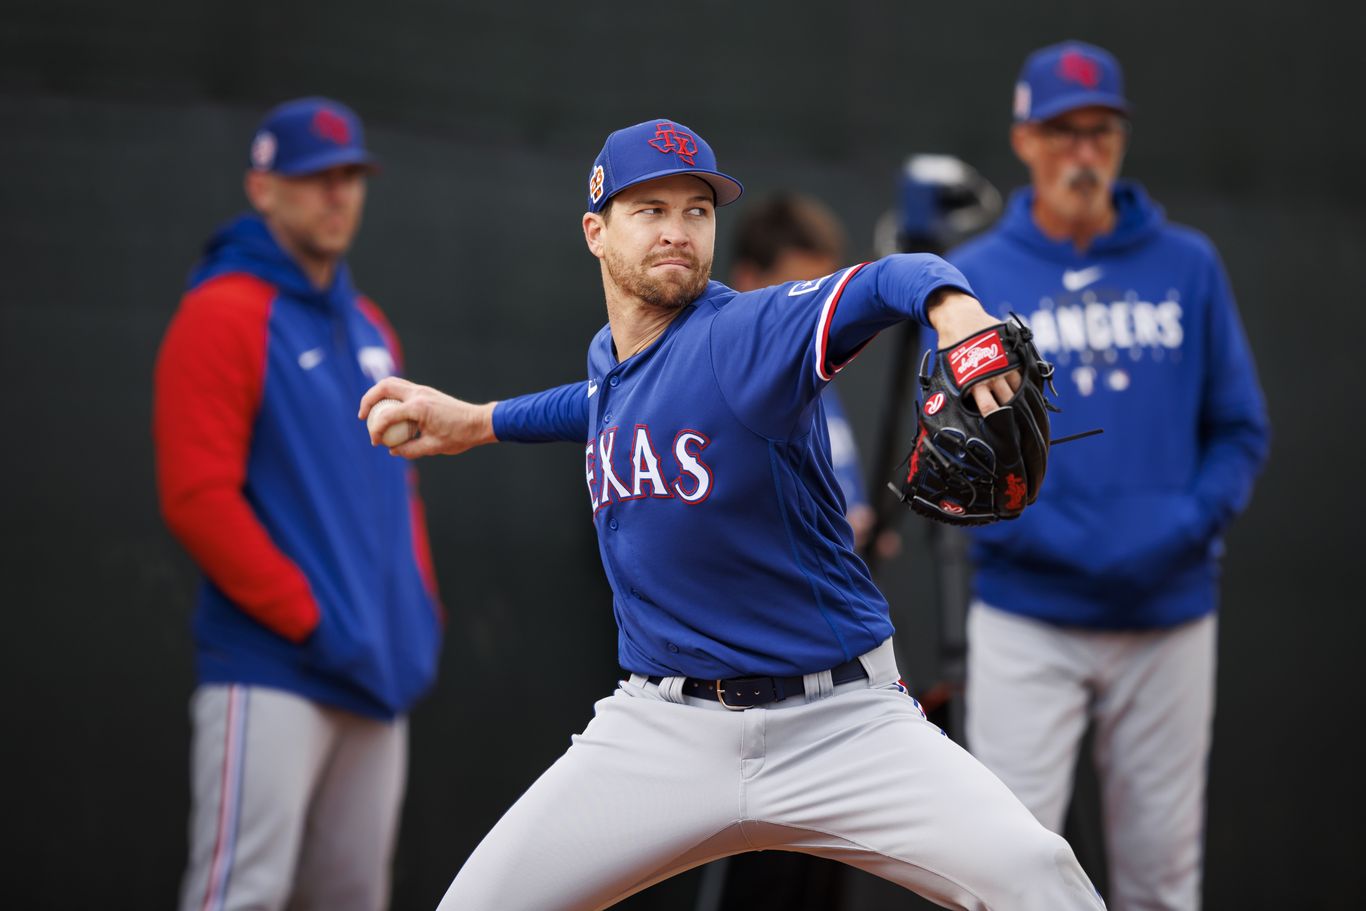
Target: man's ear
<point>593,226</point>
<point>1024,142</point>
<point>260,189</point>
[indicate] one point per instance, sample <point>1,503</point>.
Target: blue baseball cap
<point>309,135</point>
<point>655,148</point>
<point>1067,76</point>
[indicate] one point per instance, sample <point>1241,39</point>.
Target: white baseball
<point>395,434</point>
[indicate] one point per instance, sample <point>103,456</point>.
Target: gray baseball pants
<point>659,782</point>
<point>1033,687</point>
<point>293,804</point>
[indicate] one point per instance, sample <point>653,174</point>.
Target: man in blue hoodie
<point>1097,606</point>
<point>317,623</point>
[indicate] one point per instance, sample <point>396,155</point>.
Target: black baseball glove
<point>966,469</point>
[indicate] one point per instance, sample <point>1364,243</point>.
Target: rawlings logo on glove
<point>974,358</point>
<point>966,469</point>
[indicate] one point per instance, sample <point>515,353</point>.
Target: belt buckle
<point>721,698</point>
<point>741,683</point>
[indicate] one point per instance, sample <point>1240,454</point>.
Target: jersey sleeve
<point>210,374</point>
<point>558,414</point>
<point>773,350</point>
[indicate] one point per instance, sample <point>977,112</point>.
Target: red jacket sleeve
<point>210,374</point>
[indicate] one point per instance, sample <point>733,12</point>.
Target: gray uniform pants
<point>1032,689</point>
<point>660,782</point>
<point>292,804</point>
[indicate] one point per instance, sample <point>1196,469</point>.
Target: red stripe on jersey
<point>826,370</point>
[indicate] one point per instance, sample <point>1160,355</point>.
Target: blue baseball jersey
<point>708,473</point>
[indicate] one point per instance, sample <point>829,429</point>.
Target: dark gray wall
<point>123,131</point>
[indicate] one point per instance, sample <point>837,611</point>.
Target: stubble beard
<point>671,292</point>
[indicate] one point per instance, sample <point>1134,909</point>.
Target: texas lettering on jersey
<point>684,476</point>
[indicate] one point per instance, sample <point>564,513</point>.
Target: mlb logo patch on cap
<point>650,150</point>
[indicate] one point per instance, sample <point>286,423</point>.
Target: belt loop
<point>671,689</point>
<point>638,680</point>
<point>819,685</point>
<point>880,663</point>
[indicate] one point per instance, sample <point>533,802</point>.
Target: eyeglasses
<point>1106,136</point>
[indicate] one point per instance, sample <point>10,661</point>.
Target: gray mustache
<point>1083,179</point>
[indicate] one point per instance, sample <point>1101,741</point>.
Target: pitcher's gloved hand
<point>966,469</point>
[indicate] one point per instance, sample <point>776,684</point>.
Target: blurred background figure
<point>317,623</point>
<point>1097,606</point>
<point>791,237</point>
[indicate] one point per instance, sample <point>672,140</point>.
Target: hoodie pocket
<point>1137,539</point>
<point>1169,538</point>
<point>338,649</point>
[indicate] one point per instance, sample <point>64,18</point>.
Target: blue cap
<point>309,135</point>
<point>1067,76</point>
<point>655,148</point>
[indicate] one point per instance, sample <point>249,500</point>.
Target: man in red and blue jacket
<point>317,623</point>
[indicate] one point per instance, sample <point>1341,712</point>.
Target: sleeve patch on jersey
<point>806,287</point>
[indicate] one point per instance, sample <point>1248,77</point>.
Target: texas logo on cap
<point>668,138</point>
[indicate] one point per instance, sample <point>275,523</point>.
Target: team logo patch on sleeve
<point>806,287</point>
<point>978,356</point>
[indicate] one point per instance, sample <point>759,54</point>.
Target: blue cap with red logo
<point>653,149</point>
<point>309,135</point>
<point>1067,76</point>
